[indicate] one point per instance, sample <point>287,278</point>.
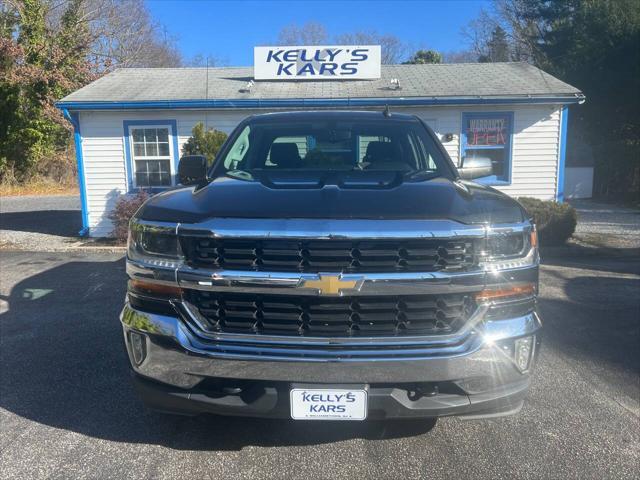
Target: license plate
<point>328,404</point>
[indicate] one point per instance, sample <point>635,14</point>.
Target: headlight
<point>506,245</point>
<point>505,248</point>
<point>154,244</point>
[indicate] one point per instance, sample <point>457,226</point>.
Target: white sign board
<point>328,404</point>
<point>357,62</point>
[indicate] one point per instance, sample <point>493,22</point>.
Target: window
<point>330,146</point>
<point>303,144</point>
<point>238,151</point>
<point>364,142</point>
<point>151,159</point>
<point>489,135</point>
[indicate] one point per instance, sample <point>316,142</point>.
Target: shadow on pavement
<point>64,365</point>
<point>64,223</point>
<point>600,317</point>
<point>625,263</point>
<point>586,253</point>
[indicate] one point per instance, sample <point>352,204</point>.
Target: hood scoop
<point>292,179</point>
<point>372,179</point>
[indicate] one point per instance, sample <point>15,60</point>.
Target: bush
<point>555,221</point>
<point>126,207</point>
<point>203,142</point>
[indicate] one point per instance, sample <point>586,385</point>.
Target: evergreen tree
<point>425,56</point>
<point>497,47</point>
<point>204,142</point>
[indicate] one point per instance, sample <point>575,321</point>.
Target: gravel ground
<point>47,223</point>
<point>67,409</point>
<point>607,225</point>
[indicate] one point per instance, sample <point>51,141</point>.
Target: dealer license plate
<point>328,404</point>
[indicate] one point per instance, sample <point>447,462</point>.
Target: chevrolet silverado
<point>332,266</point>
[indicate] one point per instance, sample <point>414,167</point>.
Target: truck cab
<point>332,266</point>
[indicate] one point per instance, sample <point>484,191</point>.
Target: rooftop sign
<point>356,62</point>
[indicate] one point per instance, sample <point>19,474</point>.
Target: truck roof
<point>344,115</point>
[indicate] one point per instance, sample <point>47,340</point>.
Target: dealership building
<point>131,124</point>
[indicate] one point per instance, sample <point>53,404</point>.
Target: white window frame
<point>132,155</point>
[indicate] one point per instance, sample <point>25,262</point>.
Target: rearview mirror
<point>475,167</point>
<point>192,170</point>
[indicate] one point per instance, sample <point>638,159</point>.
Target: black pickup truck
<point>332,266</point>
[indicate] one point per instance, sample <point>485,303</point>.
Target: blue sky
<point>229,30</point>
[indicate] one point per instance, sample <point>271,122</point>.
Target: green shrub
<point>126,207</point>
<point>204,142</point>
<point>555,221</point>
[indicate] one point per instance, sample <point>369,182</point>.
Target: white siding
<point>534,152</point>
<point>535,149</point>
<point>104,157</point>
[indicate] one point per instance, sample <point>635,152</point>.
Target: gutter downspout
<point>74,119</point>
<point>564,125</point>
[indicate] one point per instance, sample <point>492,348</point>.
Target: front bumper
<point>181,371</point>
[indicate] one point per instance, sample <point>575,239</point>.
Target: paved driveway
<point>67,409</point>
<point>53,215</point>
<point>39,222</point>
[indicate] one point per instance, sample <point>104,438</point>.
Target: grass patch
<point>41,186</point>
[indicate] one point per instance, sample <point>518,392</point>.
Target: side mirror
<point>475,167</point>
<point>192,170</point>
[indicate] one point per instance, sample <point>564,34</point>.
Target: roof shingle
<point>433,80</point>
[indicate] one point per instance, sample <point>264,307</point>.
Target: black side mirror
<point>192,170</point>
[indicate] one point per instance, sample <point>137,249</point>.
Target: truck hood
<point>379,196</point>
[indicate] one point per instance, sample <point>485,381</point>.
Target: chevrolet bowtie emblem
<point>331,284</point>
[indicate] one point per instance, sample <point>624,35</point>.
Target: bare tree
<point>202,60</point>
<point>519,31</point>
<point>311,33</point>
<point>460,56</point>
<point>478,33</point>
<point>393,49</point>
<point>123,34</point>
<point>126,34</point>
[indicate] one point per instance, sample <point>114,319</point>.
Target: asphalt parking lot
<point>35,223</point>
<point>67,409</point>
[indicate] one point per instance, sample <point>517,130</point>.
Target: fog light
<point>138,347</point>
<point>523,351</point>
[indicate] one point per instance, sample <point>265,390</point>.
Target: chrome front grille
<point>332,316</point>
<point>313,256</point>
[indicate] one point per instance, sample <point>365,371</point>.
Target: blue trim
<point>564,121</point>
<point>127,150</point>
<point>317,102</point>
<point>74,119</point>
<point>492,179</point>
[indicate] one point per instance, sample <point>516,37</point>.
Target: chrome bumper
<point>176,355</point>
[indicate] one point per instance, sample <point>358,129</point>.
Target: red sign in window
<point>487,131</point>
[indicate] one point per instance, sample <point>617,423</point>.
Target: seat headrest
<point>285,155</point>
<point>380,152</point>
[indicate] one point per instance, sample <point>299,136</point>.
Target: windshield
<point>383,145</point>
